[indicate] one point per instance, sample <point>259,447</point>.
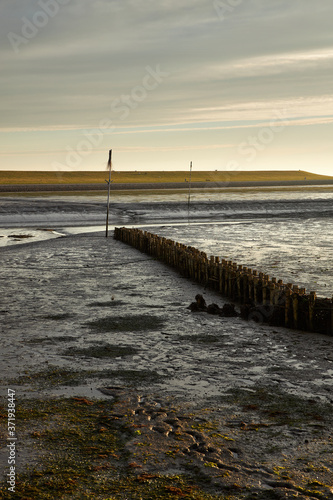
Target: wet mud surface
<point>243,409</point>
<point>155,186</point>
<point>230,402</point>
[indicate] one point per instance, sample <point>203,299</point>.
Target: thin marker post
<point>109,166</point>
<point>189,193</point>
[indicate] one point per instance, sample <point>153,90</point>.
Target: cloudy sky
<point>227,84</point>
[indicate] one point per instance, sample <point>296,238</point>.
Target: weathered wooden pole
<point>109,166</point>
<point>189,192</point>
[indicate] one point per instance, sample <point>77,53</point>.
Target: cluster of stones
<point>227,311</point>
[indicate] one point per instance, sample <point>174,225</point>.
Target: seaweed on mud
<point>53,376</point>
<point>101,351</point>
<point>284,408</point>
<point>130,376</point>
<point>130,323</point>
<point>83,455</point>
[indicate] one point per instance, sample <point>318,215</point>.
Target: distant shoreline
<point>28,188</point>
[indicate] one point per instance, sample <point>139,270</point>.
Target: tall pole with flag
<point>109,166</point>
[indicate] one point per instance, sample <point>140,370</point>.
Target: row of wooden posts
<point>262,298</point>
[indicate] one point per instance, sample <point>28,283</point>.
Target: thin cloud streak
<point>132,149</point>
<point>274,64</point>
<point>291,121</point>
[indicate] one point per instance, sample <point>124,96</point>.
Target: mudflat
<point>123,392</point>
<point>24,188</point>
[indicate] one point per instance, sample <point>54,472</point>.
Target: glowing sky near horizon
<point>227,84</point>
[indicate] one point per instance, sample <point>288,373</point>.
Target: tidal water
<point>286,233</point>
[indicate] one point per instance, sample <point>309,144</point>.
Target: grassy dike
<point>38,177</point>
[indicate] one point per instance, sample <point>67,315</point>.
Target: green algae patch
<point>282,407</point>
<point>55,376</point>
<point>134,323</point>
<point>52,377</point>
<point>72,445</point>
<point>131,377</point>
<point>75,451</point>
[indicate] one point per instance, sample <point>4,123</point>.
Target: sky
<point>227,84</point>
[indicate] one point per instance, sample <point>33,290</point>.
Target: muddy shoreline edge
<point>19,188</point>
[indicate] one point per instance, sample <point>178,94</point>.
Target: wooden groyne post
<point>266,299</point>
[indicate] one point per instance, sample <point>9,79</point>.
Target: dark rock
<point>199,304</point>
<point>261,314</point>
<point>245,310</point>
<point>213,309</point>
<point>228,311</point>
